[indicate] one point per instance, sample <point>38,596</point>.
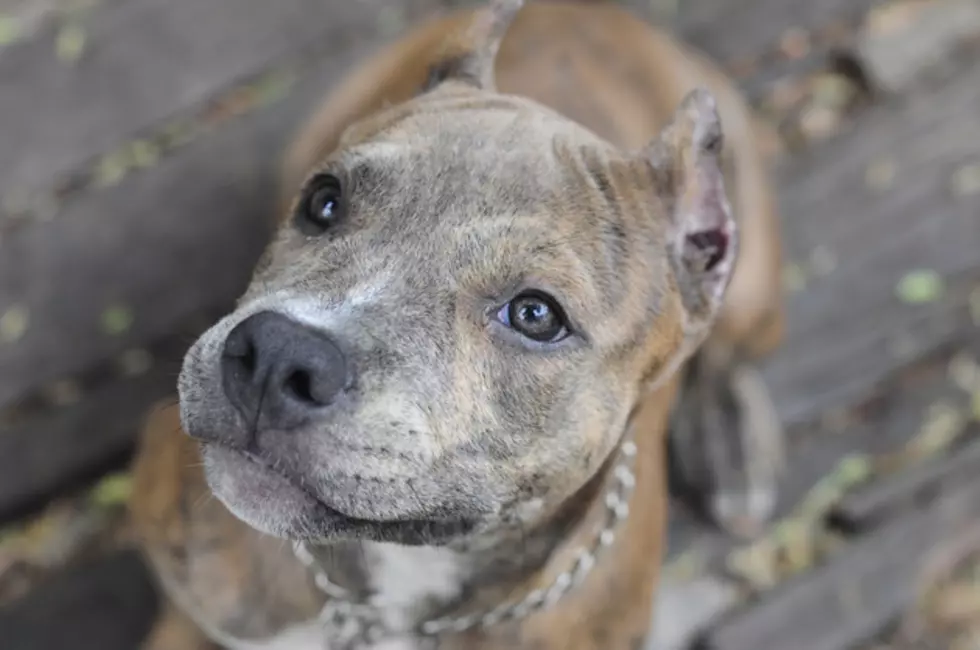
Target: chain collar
<point>349,625</point>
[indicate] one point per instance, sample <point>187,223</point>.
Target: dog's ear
<point>469,57</point>
<point>702,239</point>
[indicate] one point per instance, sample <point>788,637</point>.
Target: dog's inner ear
<point>469,58</point>
<point>701,233</point>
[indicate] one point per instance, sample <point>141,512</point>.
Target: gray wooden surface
<point>98,267</point>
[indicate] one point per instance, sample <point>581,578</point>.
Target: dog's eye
<point>323,205</point>
<point>535,315</point>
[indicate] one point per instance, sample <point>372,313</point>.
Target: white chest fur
<point>401,577</point>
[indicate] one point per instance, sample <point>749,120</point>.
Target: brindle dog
<point>437,416</point>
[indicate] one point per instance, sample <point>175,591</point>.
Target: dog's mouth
<point>267,498</point>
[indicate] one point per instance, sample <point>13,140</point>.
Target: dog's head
<point>455,320</point>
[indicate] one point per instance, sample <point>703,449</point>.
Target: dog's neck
<point>434,589</point>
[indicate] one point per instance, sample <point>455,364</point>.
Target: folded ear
<point>469,57</point>
<point>702,239</point>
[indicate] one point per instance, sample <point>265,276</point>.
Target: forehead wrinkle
<point>531,249</point>
<point>494,225</point>
<point>396,120</point>
<point>374,151</point>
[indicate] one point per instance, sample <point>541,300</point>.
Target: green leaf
<point>144,153</point>
<point>116,320</point>
<point>13,324</point>
<point>9,30</point>
<point>920,287</point>
<point>70,43</point>
<point>113,490</point>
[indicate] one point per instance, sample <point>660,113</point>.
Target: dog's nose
<point>280,370</point>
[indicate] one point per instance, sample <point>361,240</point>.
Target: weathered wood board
<point>139,251</point>
<point>105,604</point>
<point>852,598</point>
<point>848,329</point>
<point>149,61</point>
<point>150,240</point>
<point>145,262</point>
<point>752,30</point>
<point>918,408</point>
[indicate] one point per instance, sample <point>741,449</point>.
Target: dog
<point>510,244</point>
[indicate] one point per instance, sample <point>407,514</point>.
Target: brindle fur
<point>463,194</point>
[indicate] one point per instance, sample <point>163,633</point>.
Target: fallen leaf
<point>9,29</point>
<point>854,469</point>
<point>144,153</point>
<point>116,320</point>
<point>113,490</point>
<point>943,424</point>
<point>833,90</point>
<point>273,87</point>
<point>13,324</point>
<point>70,43</point>
<point>920,286</point>
<point>112,168</point>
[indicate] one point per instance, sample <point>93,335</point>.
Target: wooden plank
<point>96,244</point>
<point>742,30</point>
<point>146,61</point>
<point>930,36</point>
<point>901,410</point>
<point>172,241</point>
<point>134,245</point>
<point>148,245</point>
<point>62,447</point>
<point>884,499</point>
<point>105,604</point>
<point>848,329</point>
<point>850,599</point>
<point>896,421</point>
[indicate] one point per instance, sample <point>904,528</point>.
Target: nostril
<point>311,387</point>
<point>300,385</point>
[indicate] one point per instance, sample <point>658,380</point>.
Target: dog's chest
<point>403,576</point>
<point>310,636</point>
<point>400,577</point>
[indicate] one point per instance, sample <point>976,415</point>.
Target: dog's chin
<point>263,499</point>
<point>271,503</point>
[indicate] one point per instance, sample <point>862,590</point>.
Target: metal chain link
<point>349,625</point>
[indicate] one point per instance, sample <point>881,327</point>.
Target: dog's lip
<point>263,465</point>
